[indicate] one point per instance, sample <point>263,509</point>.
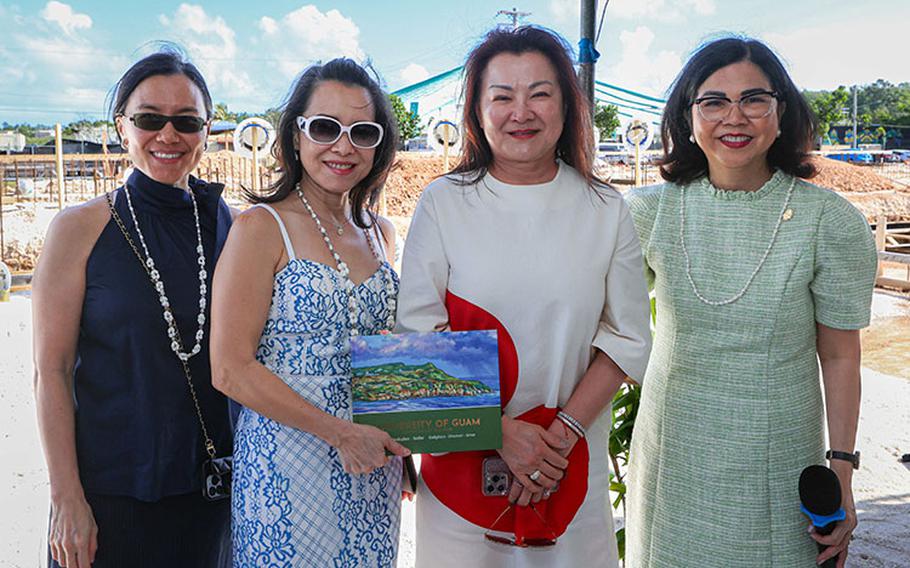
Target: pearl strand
<point>682,240</point>
<point>172,332</point>
<point>345,272</point>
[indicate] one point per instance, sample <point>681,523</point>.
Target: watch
<point>852,458</point>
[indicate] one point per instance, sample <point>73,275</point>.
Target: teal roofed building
<point>439,98</point>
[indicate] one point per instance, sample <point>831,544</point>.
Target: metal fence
<point>30,182</point>
<point>34,178</point>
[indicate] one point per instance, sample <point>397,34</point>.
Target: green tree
<point>273,115</point>
<point>606,119</point>
<point>221,112</point>
<point>828,107</point>
<point>408,122</point>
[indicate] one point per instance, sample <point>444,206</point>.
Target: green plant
<point>828,107</point>
<point>606,119</point>
<point>408,122</point>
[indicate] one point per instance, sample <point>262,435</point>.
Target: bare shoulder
<point>70,239</point>
<point>79,225</point>
<point>255,222</point>
<point>387,228</point>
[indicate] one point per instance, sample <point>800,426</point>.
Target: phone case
<point>496,479</point>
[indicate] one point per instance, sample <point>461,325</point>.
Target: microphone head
<point>819,490</point>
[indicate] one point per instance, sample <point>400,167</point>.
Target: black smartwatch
<point>852,458</point>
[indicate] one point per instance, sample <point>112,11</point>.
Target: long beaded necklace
<point>682,240</point>
<point>346,272</point>
<point>172,332</point>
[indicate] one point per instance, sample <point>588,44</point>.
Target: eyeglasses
<point>521,542</point>
<point>184,123</point>
<point>714,108</point>
<point>326,130</point>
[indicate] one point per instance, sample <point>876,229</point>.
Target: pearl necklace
<point>176,344</point>
<point>345,271</point>
<point>682,240</point>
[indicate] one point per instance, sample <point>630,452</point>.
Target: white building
<point>11,141</point>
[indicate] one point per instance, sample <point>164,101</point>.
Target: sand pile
<point>412,172</point>
<point>874,195</point>
<point>844,177</point>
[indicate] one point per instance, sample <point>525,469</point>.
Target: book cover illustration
<point>433,392</point>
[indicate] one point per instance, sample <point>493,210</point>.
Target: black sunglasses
<point>184,123</point>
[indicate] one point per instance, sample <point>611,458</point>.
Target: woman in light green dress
<point>759,276</point>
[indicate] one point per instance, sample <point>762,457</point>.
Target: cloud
<point>655,10</point>
<point>565,10</point>
<point>307,35</point>
<point>414,73</point>
<point>268,25</point>
<point>64,16</point>
<point>64,73</point>
<point>640,69</point>
<point>463,351</point>
<point>211,43</point>
<point>814,62</point>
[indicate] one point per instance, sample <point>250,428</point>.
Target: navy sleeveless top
<point>137,433</point>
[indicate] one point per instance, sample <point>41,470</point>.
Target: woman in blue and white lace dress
<point>302,271</point>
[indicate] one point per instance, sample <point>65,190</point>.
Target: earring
<point>778,132</point>
<point>692,138</point>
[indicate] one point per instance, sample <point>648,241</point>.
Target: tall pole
<point>585,66</point>
<point>255,132</point>
<point>855,139</point>
<point>58,151</point>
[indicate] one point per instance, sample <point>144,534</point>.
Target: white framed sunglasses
<point>326,130</point>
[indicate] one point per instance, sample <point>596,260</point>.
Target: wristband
<point>571,423</point>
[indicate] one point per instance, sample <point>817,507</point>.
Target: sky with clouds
<point>461,354</point>
<point>59,59</point>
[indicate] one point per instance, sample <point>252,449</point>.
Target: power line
<point>601,25</point>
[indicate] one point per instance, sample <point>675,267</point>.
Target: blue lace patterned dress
<point>293,504</point>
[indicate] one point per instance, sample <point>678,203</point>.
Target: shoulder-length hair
<point>576,144</point>
<point>684,161</point>
<point>364,195</point>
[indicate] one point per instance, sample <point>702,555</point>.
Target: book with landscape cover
<point>433,392</point>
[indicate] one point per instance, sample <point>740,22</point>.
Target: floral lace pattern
<point>293,503</point>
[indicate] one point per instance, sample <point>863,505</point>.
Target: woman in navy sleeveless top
<point>123,442</point>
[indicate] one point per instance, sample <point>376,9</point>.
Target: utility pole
<point>586,64</point>
<point>514,14</point>
<point>855,139</point>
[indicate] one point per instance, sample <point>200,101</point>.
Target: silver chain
<point>346,272</point>
<point>682,240</point>
<point>149,263</point>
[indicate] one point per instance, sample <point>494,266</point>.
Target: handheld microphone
<point>820,497</point>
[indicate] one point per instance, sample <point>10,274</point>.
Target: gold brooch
<point>788,214</point>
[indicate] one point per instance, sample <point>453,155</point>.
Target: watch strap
<point>845,456</point>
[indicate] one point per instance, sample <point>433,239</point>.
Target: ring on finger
<point>535,475</point>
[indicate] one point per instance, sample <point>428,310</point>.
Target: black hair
<point>168,60</point>
<point>684,161</point>
<point>365,194</point>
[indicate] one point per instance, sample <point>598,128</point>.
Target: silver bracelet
<point>573,424</point>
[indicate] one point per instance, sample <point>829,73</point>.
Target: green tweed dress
<point>731,408</point>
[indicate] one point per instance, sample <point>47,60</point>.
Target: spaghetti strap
<point>380,240</point>
<point>284,231</point>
